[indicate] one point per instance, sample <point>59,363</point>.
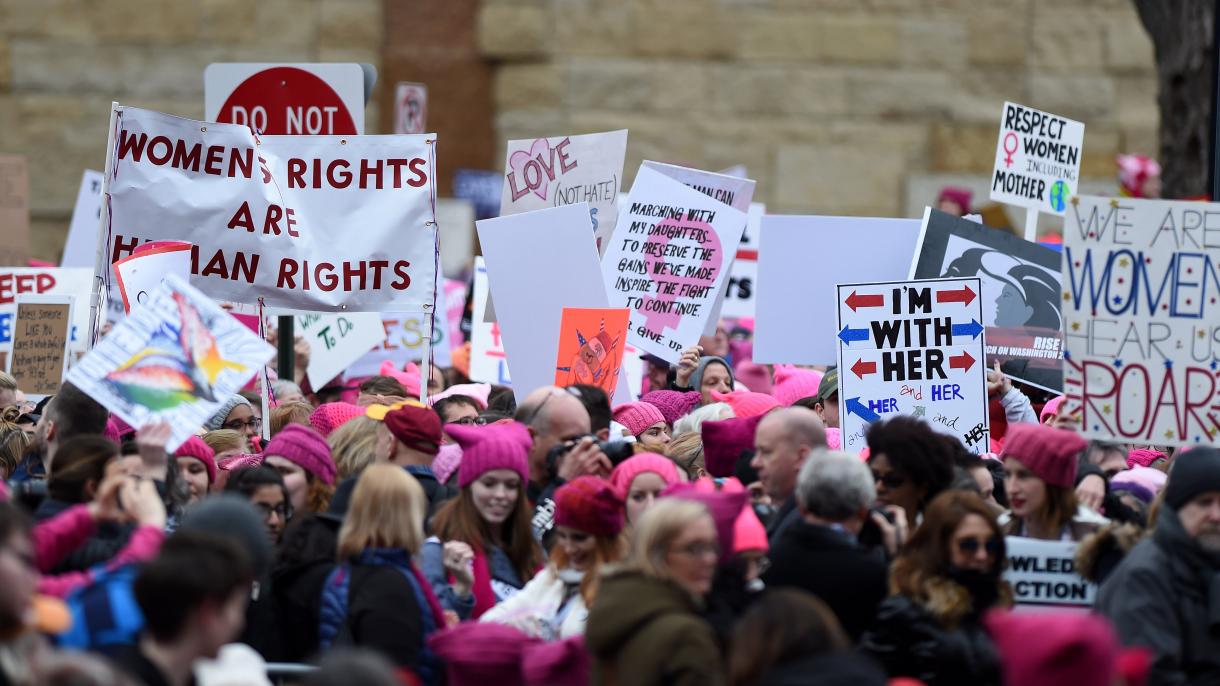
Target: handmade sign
<point>1021,302</point>
<point>178,358</point>
<point>1140,291</point>
<point>488,362</point>
<point>740,288</point>
<point>913,348</point>
<point>410,107</point>
<point>1043,575</point>
<point>667,260</point>
<point>314,223</point>
<point>591,344</point>
<point>22,281</point>
<point>1037,159</point>
<point>41,337</point>
<point>80,248</point>
<point>337,340</point>
<point>141,272</point>
<point>801,260</point>
<point>406,340</point>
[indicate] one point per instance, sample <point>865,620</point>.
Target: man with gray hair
<point>819,552</point>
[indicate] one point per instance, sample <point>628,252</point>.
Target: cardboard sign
<point>667,261</point>
<point>1021,301</point>
<point>801,260</point>
<point>410,107</point>
<point>14,211</point>
<point>178,358</point>
<point>591,344</point>
<point>1037,159</point>
<point>80,248</point>
<point>337,340</point>
<point>913,348</point>
<point>1043,575</point>
<point>1140,290</point>
<point>488,361</point>
<point>140,273</point>
<point>312,223</point>
<point>41,337</point>
<point>532,287</point>
<point>291,99</point>
<point>17,282</point>
<point>739,290</point>
<point>563,170</point>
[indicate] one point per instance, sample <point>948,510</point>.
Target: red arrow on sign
<point>860,368</point>
<point>963,296</point>
<point>963,361</point>
<point>856,300</point>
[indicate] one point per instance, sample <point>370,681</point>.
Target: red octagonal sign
<point>287,100</point>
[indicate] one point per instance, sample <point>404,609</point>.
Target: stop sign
<point>287,99</point>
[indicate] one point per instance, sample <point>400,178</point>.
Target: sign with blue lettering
<point>915,348</point>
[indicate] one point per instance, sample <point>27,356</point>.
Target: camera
<point>615,451</point>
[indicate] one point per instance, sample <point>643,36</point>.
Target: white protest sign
<point>667,260</point>
<point>1037,159</point>
<point>800,261</point>
<point>292,99</point>
<point>1141,322</point>
<point>1043,575</point>
<point>177,358</point>
<point>914,348</point>
<point>406,340</point>
<point>312,223</point>
<point>336,340</point>
<point>740,288</point>
<point>139,274</point>
<point>538,263</point>
<point>410,107</point>
<point>80,248</point>
<point>488,362</point>
<point>17,281</point>
<point>563,170</point>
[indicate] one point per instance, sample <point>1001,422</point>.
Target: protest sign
<point>14,211</point>
<point>800,261</point>
<point>80,248</point>
<point>21,281</point>
<point>532,286</point>
<point>591,345</point>
<point>41,337</point>
<point>312,223</point>
<point>337,340</point>
<point>1043,574</point>
<point>1140,290</point>
<point>406,340</point>
<point>481,188</point>
<point>141,272</point>
<point>488,362</point>
<point>1037,162</point>
<point>913,348</point>
<point>410,107</point>
<point>738,297</point>
<point>292,99</point>
<point>177,358</point>
<point>667,260</point>
<point>1021,302</point>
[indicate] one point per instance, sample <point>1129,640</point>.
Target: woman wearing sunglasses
<point>911,464</point>
<point>1040,480</point>
<point>942,583</point>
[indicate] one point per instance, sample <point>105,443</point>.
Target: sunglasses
<point>971,546</point>
<point>890,481</point>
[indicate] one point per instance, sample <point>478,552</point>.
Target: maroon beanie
<point>484,448</point>
<point>673,404</point>
<point>1048,452</point>
<point>305,448</point>
<point>591,505</point>
<point>477,653</point>
<point>196,448</point>
<point>415,427</point>
<point>1054,649</point>
<point>724,441</point>
<point>556,663</point>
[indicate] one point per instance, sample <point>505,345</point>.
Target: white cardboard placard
<point>1037,159</point>
<point>1043,575</point>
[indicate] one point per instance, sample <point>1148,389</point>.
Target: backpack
<point>104,613</point>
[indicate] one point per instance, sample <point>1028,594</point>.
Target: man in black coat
<point>818,552</point>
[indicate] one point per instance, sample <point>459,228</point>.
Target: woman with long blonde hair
<point>353,445</point>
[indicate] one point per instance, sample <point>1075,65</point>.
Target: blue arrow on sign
<point>854,406</point>
<point>848,335</point>
<point>973,329</point>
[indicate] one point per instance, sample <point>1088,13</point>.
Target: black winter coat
<point>307,555</point>
<point>825,670</point>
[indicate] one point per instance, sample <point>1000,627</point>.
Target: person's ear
<point>603,434</point>
<point>50,436</point>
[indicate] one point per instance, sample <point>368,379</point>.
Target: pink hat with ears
<point>794,383</point>
<point>1051,408</point>
<point>410,379</point>
<point>477,392</point>
<point>747,404</point>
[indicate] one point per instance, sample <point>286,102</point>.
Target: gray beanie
<point>696,378</point>
<point>217,421</point>
<point>232,516</point>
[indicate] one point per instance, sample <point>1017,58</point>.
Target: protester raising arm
<point>1017,408</point>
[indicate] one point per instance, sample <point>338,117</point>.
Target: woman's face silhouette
<point>1011,309</point>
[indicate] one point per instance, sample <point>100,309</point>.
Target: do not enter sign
<point>297,99</point>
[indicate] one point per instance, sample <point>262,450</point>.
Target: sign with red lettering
<point>913,348</point>
<point>293,99</point>
<point>57,281</point>
<point>314,223</point>
<point>1141,289</point>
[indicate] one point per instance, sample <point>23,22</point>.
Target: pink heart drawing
<point>529,166</point>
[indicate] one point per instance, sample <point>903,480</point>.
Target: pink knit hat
<point>196,448</point>
<point>1142,457</point>
<point>1048,452</point>
<point>637,416</point>
<point>591,505</point>
<point>753,376</point>
<point>446,461</point>
<point>555,663</point>
<point>241,461</point>
<point>1051,408</point>
<point>724,506</point>
<point>628,469</point>
<point>477,653</point>
<point>305,448</point>
<point>330,416</point>
<point>834,438</point>
<point>747,403</point>
<point>409,378</point>
<point>484,448</point>
<point>475,391</point>
<point>672,404</point>
<point>794,383</point>
<point>1142,482</point>
<point>1054,649</point>
<point>749,534</point>
<point>725,440</point>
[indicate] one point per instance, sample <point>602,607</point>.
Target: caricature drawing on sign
<point>592,364</point>
<point>1027,295</point>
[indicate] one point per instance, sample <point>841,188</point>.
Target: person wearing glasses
<point>458,409</point>
<point>645,627</point>
<point>264,488</point>
<point>911,465</point>
<point>303,458</point>
<point>946,578</point>
<point>236,415</point>
<point>1040,465</point>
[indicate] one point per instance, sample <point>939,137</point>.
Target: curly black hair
<point>915,450</point>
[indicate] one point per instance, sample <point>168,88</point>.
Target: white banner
<point>314,223</point>
<point>1043,574</point>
